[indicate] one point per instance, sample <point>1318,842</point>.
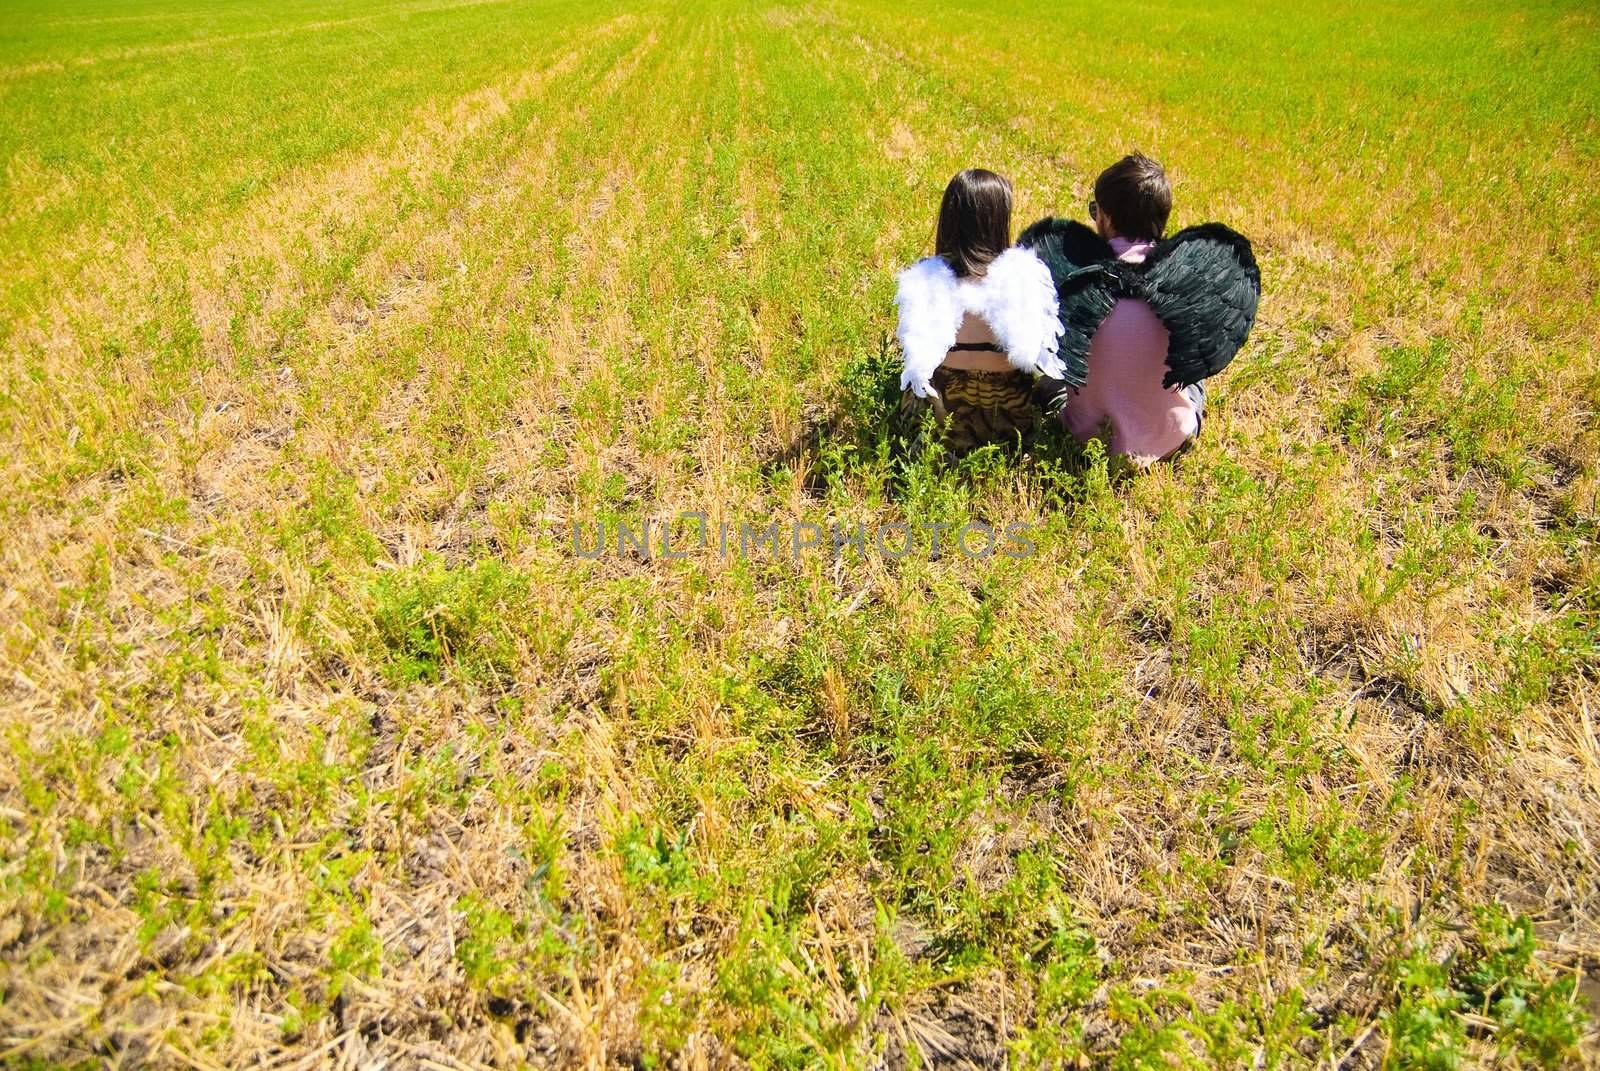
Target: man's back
<point>1127,361</point>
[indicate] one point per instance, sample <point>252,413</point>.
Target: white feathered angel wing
<point>931,310</point>
<point>1017,299</point>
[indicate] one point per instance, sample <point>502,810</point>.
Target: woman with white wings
<point>977,321</point>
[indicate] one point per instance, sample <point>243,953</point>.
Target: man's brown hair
<point>974,221</point>
<point>1135,194</point>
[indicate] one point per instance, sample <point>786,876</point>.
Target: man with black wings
<point>1146,319</point>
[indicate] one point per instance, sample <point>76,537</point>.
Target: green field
<point>320,323</point>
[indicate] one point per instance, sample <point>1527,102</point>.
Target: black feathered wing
<point>1088,279</point>
<point>1065,245</point>
<point>1203,284</point>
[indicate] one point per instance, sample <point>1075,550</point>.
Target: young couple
<point>1110,330</point>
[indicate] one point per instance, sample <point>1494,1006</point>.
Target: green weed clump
<point>432,618</point>
<point>1490,987</point>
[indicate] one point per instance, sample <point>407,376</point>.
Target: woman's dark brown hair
<point>974,221</point>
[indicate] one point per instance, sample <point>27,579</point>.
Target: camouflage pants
<point>973,408</point>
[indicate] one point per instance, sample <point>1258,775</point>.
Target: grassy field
<point>321,323</point>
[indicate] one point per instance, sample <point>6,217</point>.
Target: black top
<point>989,347</point>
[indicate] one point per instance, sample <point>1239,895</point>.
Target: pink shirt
<point>1127,360</point>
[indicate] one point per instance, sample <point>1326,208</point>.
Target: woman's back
<point>976,348</point>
